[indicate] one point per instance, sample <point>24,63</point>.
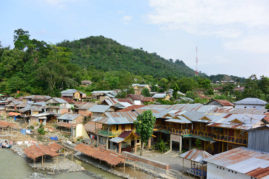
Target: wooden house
<point>118,131</point>
<point>73,94</point>
<point>138,88</point>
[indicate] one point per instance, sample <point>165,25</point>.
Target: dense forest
<point>36,67</point>
<point>108,55</point>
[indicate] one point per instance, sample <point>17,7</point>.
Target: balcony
<point>230,139</point>
<point>105,133</point>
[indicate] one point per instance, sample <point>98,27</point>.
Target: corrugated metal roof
<point>159,95</point>
<point>56,100</point>
<point>69,117</point>
<point>180,119</point>
<point>117,118</point>
<point>117,139</point>
<point>196,155</point>
<point>239,121</point>
<point>87,106</point>
<point>251,101</point>
<point>242,160</point>
<point>99,108</point>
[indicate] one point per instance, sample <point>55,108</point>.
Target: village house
<point>238,163</point>
<point>162,96</point>
<point>99,110</point>
<point>221,103</point>
<point>92,129</point>
<point>84,109</point>
<point>193,162</point>
<point>185,124</point>
<point>86,83</point>
<point>70,118</point>
<point>102,95</point>
<point>251,103</point>
<point>138,88</point>
<point>12,105</point>
<point>36,98</point>
<point>72,94</point>
<point>256,138</point>
<point>139,99</point>
<point>118,132</point>
<point>57,106</point>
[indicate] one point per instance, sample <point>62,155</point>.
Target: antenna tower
<point>196,62</point>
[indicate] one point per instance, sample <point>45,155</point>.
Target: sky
<point>232,36</point>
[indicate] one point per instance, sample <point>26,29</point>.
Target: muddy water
<point>13,166</point>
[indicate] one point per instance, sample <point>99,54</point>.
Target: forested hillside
<point>106,54</point>
<point>36,67</point>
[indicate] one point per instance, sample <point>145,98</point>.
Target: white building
<point>238,163</point>
<point>251,103</point>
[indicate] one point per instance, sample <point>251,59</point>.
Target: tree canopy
<point>144,127</point>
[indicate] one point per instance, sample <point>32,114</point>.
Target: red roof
<point>131,108</point>
<point>141,98</point>
<point>125,134</point>
<point>104,155</point>
<point>55,147</point>
<point>36,151</point>
<point>224,102</point>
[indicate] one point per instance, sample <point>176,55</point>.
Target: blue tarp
<point>23,131</point>
<point>54,138</point>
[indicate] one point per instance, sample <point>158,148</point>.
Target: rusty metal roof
<point>239,121</point>
<point>36,151</point>
<point>117,118</point>
<point>243,160</point>
<point>109,157</point>
<point>196,155</point>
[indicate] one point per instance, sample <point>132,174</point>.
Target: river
<point>13,166</point>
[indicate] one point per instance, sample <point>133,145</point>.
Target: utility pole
<point>196,62</point>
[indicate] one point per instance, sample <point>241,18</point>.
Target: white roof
<point>159,95</point>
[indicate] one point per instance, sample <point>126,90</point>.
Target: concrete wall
<point>216,172</point>
<point>141,159</point>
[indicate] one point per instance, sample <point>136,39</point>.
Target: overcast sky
<point>232,35</point>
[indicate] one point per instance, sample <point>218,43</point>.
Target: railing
<point>232,139</point>
<point>105,133</point>
<point>108,133</point>
<point>217,137</point>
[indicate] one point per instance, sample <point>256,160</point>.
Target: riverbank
<point>51,166</point>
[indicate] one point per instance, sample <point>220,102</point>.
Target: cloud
<point>254,44</point>
<point>127,19</point>
<point>237,22</point>
<point>210,16</point>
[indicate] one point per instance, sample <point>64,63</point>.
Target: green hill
<point>107,54</point>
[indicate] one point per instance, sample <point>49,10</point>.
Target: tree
<point>145,92</point>
<point>21,39</point>
<point>144,127</point>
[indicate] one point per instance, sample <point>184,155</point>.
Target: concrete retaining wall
<point>146,161</point>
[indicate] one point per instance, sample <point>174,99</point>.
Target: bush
<point>161,146</point>
<point>41,130</point>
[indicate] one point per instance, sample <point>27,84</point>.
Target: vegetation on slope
<point>108,55</point>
